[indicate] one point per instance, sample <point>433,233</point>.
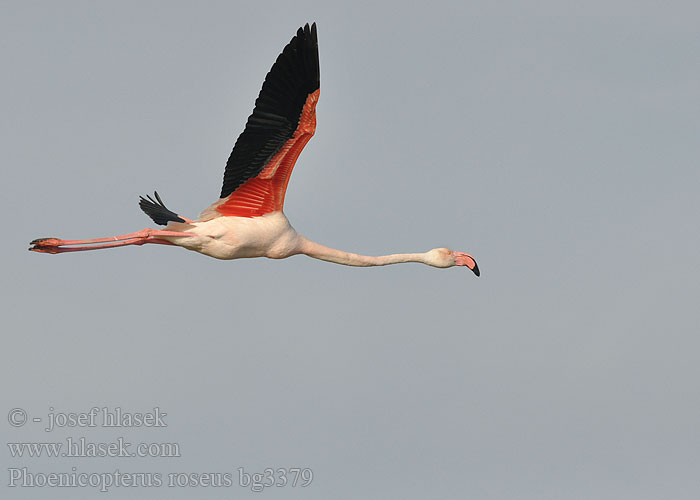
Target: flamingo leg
<point>56,245</point>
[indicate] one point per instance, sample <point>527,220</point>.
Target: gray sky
<point>557,142</point>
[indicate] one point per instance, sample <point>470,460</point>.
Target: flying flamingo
<point>247,220</point>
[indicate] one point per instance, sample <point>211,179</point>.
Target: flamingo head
<point>444,257</point>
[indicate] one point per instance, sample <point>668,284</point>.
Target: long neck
<point>318,251</point>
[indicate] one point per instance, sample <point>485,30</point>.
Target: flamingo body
<point>270,235</point>
<point>248,220</point>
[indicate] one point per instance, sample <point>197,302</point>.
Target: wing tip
<point>307,36</point>
<point>157,210</point>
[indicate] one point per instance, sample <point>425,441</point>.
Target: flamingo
<point>247,220</point>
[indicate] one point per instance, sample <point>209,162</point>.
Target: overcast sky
<point>555,141</point>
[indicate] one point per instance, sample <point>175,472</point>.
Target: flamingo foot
<point>45,245</point>
<point>38,246</point>
<point>46,242</point>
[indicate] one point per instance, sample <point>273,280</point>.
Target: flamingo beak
<point>464,259</point>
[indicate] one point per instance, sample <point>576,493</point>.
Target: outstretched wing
<point>283,121</point>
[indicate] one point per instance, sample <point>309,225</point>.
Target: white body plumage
<point>226,238</point>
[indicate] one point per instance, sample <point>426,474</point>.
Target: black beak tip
<point>476,269</point>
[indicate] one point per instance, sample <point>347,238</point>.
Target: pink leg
<point>55,245</point>
<point>52,249</point>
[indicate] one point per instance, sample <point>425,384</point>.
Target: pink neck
<point>318,251</point>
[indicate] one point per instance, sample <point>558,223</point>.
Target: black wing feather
<point>157,210</point>
<point>278,107</point>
